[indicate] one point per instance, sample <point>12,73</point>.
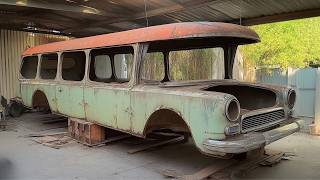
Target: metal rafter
<point>151,13</point>
<point>57,7</point>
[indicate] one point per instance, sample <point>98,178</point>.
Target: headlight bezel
<point>232,110</point>
<point>291,98</point>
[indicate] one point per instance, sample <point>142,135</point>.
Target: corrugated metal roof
<point>90,17</point>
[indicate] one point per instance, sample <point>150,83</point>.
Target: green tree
<point>292,43</point>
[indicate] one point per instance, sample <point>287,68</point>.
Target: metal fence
<point>304,81</point>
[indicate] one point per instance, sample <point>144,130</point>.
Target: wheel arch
<point>40,100</point>
<point>166,118</point>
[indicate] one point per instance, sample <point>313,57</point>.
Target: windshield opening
<point>196,64</point>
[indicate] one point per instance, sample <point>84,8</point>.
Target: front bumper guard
<point>251,141</point>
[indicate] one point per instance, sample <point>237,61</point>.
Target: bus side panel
<point>108,106</point>
<point>199,112</point>
<point>70,101</point>
<point>27,93</point>
<point>28,90</point>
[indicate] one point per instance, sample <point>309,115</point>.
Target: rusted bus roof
<point>148,34</point>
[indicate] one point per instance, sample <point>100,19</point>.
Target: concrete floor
<point>22,158</point>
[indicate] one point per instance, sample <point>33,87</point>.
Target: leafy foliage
<point>292,43</point>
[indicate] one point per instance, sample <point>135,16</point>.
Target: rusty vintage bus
<point>100,79</point>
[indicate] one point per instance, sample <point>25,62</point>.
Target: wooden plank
<point>273,159</point>
<point>162,143</point>
<point>112,139</point>
<point>229,168</point>
<point>53,121</point>
<point>209,170</point>
<point>47,134</point>
<point>242,169</point>
<point>171,174</point>
<point>203,173</point>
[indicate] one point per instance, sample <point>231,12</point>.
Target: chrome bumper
<point>251,141</point>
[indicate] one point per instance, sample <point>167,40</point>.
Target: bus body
<point>101,79</point>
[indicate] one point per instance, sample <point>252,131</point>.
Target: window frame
<point>164,69</point>
<point>40,63</point>
<point>89,68</point>
<point>119,81</point>
<point>21,77</point>
<point>114,69</point>
<point>60,62</point>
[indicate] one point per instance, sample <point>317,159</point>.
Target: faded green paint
<point>202,112</point>
<point>128,109</point>
<point>128,106</point>
<point>109,106</point>
<point>28,89</point>
<point>70,100</point>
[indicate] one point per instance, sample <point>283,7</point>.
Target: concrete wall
<point>12,44</point>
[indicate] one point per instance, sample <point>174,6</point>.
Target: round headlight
<point>233,110</point>
<point>291,98</point>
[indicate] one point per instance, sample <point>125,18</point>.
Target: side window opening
<point>102,68</point>
<point>73,66</point>
<point>153,67</point>
<point>29,67</point>
<point>49,64</point>
<point>123,66</point>
<point>111,64</point>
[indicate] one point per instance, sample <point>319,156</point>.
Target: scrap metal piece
<point>15,108</point>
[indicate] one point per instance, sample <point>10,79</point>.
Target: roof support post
<point>229,55</point>
<point>166,67</point>
<point>140,50</point>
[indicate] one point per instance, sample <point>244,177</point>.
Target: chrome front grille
<point>261,121</point>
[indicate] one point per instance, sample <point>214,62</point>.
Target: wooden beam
<point>20,27</point>
<point>206,172</point>
<point>157,144</point>
<point>281,17</point>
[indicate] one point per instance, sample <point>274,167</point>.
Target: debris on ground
<point>8,125</point>
<point>3,125</point>
<point>229,169</point>
<point>47,134</point>
<point>55,142</point>
<point>111,140</point>
<point>203,173</point>
<point>276,158</point>
<point>272,160</point>
<point>15,107</point>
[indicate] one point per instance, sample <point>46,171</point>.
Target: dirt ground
<point>23,158</point>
